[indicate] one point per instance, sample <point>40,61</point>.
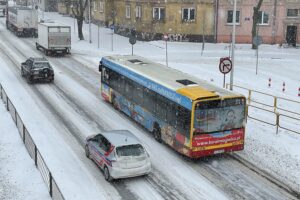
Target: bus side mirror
<point>100,66</point>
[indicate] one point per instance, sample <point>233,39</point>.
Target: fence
<point>277,109</point>
<point>32,149</point>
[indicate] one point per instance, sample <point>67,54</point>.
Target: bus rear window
<point>219,115</point>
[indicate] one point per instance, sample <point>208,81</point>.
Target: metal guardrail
<point>32,149</point>
<point>275,109</point>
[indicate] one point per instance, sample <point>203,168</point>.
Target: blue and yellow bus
<point>191,115</point>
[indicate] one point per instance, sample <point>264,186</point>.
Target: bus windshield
<point>219,115</point>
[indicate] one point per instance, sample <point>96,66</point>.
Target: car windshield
<point>41,65</point>
<point>130,150</point>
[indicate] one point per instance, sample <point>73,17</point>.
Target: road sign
<point>132,40</point>
<point>166,37</point>
<point>225,65</point>
<point>257,40</point>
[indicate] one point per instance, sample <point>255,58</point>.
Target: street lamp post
<point>90,31</point>
<point>233,44</point>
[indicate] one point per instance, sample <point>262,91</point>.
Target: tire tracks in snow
<point>164,188</point>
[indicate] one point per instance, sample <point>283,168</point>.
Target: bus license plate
<point>219,151</point>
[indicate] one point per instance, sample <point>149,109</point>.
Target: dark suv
<point>37,69</point>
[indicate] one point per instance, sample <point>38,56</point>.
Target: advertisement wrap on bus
<point>178,109</point>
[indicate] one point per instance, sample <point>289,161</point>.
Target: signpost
<point>132,41</point>
<point>112,27</point>
<point>98,36</point>
<point>257,40</point>
<point>225,67</point>
<point>166,39</point>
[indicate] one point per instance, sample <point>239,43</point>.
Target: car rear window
<point>130,150</point>
<point>41,65</point>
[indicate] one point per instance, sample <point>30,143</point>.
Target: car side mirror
<point>100,66</point>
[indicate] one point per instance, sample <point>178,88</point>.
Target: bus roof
<point>175,80</point>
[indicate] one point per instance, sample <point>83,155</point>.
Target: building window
<point>263,18</point>
<point>292,12</point>
<point>159,13</point>
<point>188,14</point>
<point>127,12</point>
<point>138,12</point>
<point>94,6</point>
<point>230,17</point>
<point>101,7</point>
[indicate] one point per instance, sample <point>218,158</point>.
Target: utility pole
<point>274,22</point>
<point>233,44</point>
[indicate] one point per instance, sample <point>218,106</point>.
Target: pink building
<point>278,21</point>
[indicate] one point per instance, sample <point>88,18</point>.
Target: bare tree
<point>78,8</point>
<point>255,18</point>
<point>68,4</point>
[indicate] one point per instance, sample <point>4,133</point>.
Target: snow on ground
<point>278,154</point>
<point>69,165</point>
<point>19,178</point>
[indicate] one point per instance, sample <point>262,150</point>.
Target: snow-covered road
<point>73,109</point>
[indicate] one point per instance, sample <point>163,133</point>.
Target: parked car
<point>119,154</point>
<point>37,69</point>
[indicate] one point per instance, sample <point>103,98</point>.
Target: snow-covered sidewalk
<point>19,178</point>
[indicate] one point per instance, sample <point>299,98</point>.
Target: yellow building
<point>181,19</point>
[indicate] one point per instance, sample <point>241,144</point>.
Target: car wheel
<point>157,134</point>
<point>22,72</point>
<point>87,151</point>
<point>107,174</point>
<point>29,79</point>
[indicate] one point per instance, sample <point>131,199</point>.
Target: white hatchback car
<point>119,154</point>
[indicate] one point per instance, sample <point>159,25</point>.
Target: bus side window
<point>161,107</point>
<point>139,96</point>
<point>113,79</point>
<point>171,113</point>
<point>120,84</point>
<point>183,120</point>
<point>128,89</point>
<point>105,76</point>
<point>149,100</point>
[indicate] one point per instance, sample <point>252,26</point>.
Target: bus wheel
<point>157,134</point>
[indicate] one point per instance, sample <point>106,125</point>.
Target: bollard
<point>283,87</point>
<point>269,82</point>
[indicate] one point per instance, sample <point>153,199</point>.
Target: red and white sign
<point>225,65</point>
<point>166,37</point>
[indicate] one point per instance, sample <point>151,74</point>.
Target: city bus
<point>193,116</point>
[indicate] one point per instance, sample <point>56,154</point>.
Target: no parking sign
<point>225,67</point>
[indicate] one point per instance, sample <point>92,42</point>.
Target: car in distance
<point>119,154</point>
<point>37,69</point>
